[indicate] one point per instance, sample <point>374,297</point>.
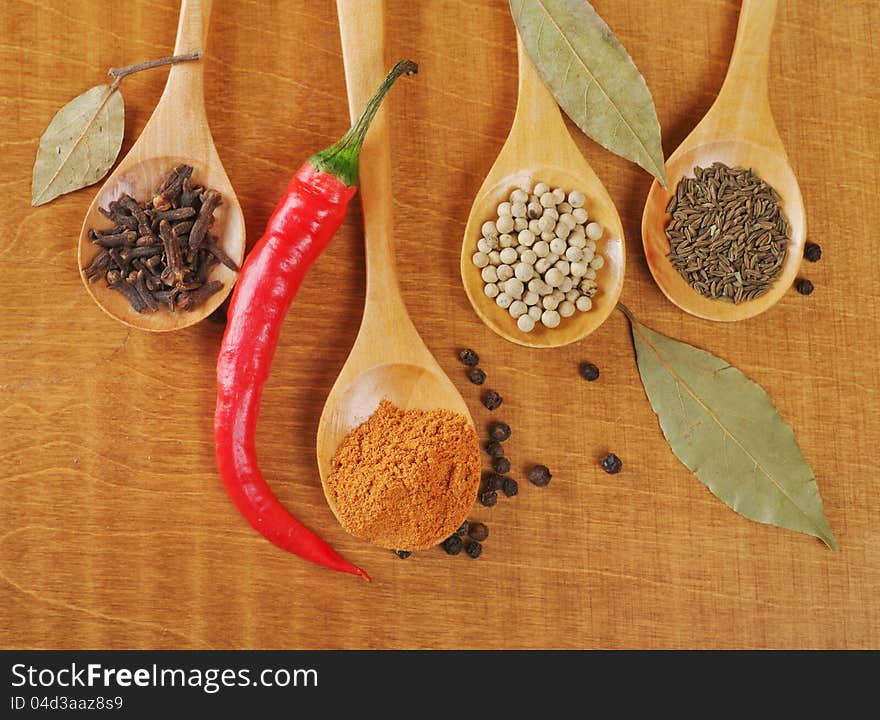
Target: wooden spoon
<point>388,360</point>
<point>737,130</point>
<point>540,148</point>
<point>177,132</point>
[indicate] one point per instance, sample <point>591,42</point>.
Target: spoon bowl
<point>177,132</point>
<point>739,131</point>
<point>389,360</point>
<point>540,148</point>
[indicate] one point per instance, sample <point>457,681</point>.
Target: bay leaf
<point>80,145</point>
<point>724,427</point>
<point>592,77</point>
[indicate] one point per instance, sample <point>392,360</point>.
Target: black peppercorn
<point>474,549</point>
<point>499,431</point>
<point>402,554</point>
<point>469,357</point>
<point>488,498</point>
<point>812,252</point>
<point>494,448</point>
<point>494,482</point>
<point>453,545</point>
<point>539,475</point>
<point>510,487</point>
<point>804,286</point>
<point>492,400</point>
<point>463,528</point>
<point>501,465</point>
<point>476,376</point>
<point>611,464</point>
<point>589,372</point>
<point>478,531</point>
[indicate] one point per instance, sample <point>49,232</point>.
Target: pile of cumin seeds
<point>728,235</point>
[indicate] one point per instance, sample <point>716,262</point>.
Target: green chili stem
<point>341,158</point>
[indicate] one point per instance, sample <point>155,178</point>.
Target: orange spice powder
<point>405,479</point>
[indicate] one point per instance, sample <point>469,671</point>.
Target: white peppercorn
<point>503,300</point>
<point>597,262</point>
<point>489,229</point>
<point>505,272</point>
<point>572,295</point>
<point>480,259</point>
<point>491,290</point>
<point>558,196</point>
<point>547,200</point>
<point>594,231</point>
<point>534,227</point>
<point>505,241</point>
<point>517,308</point>
<point>574,254</point>
<point>508,255</point>
<point>565,309</point>
<point>505,208</point>
<point>553,277</point>
<point>530,298</point>
<point>504,224</point>
<point>562,230</point>
<point>564,267</point>
<point>557,246</point>
<point>520,223</point>
<point>519,196</point>
<point>576,198</point>
<point>489,274</point>
<point>583,303</point>
<point>578,269</point>
<point>567,285</point>
<point>514,288</point>
<point>541,248</point>
<point>590,274</point>
<point>546,224</point>
<point>542,265</point>
<point>541,188</point>
<point>534,211</point>
<point>549,302</point>
<point>484,246</point>
<point>525,323</point>
<point>535,313</point>
<point>550,318</point>
<point>580,215</point>
<point>529,256</point>
<point>494,258</point>
<point>523,271</point>
<point>564,207</point>
<point>548,236</point>
<point>551,213</point>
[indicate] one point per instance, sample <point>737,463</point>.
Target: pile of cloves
<point>161,252</point>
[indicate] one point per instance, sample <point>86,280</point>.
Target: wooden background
<point>116,532</point>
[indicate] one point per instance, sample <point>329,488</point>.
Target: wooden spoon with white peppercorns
<point>738,130</point>
<point>389,361</point>
<point>539,149</point>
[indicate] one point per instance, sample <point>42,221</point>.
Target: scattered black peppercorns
<point>589,372</point>
<point>494,482</point>
<point>804,286</point>
<point>611,464</point>
<point>492,400</point>
<point>812,252</point>
<point>488,498</point>
<point>476,376</point>
<point>453,545</point>
<point>539,475</point>
<point>494,448</point>
<point>510,487</point>
<point>478,531</point>
<point>501,465</point>
<point>499,431</point>
<point>402,554</point>
<point>469,357</point>
<point>474,549</point>
<point>463,528</point>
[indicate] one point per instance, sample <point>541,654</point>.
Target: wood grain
<point>116,532</point>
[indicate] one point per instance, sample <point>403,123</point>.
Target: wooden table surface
<point>116,532</point>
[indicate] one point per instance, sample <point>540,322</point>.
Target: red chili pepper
<point>302,225</point>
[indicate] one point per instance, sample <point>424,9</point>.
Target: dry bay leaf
<point>724,427</point>
<point>80,145</point>
<point>592,77</point>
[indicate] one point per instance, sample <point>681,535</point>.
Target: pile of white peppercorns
<point>538,258</point>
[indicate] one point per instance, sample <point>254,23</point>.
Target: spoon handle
<point>180,119</point>
<point>536,111</point>
<point>742,108</point>
<point>361,26</point>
